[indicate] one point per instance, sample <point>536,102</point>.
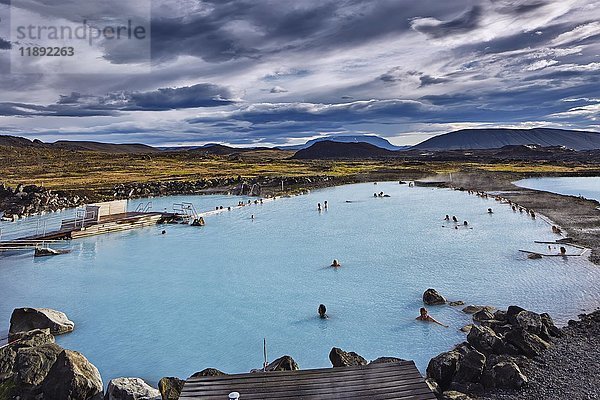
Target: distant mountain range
<point>358,146</point>
<point>15,141</point>
<point>477,139</point>
<point>371,139</point>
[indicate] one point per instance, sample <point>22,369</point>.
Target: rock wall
<point>24,201</point>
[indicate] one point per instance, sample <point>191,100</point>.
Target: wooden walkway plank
<point>400,380</point>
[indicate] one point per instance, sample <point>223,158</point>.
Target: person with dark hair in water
<point>447,218</point>
<point>424,316</point>
<point>336,263</point>
<point>454,218</point>
<point>322,311</point>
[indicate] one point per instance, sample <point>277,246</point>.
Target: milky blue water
<point>152,305</point>
<point>588,187</point>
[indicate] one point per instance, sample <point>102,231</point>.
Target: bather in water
<point>336,264</point>
<point>323,311</point>
<point>428,318</point>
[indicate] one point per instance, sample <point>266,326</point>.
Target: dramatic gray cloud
<point>77,104</point>
<point>253,72</point>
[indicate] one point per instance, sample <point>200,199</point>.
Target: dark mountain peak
<point>330,149</point>
<point>495,138</point>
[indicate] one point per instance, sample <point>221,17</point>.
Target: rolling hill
<point>473,139</point>
<point>329,149</point>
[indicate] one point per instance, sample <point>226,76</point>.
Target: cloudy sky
<point>273,72</point>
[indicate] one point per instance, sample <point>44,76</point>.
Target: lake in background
<point>152,305</point>
<point>586,186</point>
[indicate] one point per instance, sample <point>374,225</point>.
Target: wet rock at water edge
<point>442,368</point>
<point>385,360</point>
<point>285,363</point>
<point>483,315</point>
<point>341,358</point>
<point>27,319</point>
<point>170,388</point>
<point>72,377</point>
<point>432,297</point>
<point>208,372</point>
<point>130,389</point>
<point>471,309</point>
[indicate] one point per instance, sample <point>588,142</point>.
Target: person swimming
<point>319,206</point>
<point>465,223</point>
<point>322,311</point>
<point>490,211</point>
<point>454,218</point>
<point>424,316</point>
<point>447,218</point>
<point>336,264</point>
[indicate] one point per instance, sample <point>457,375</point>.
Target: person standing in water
<point>322,311</point>
<point>424,316</point>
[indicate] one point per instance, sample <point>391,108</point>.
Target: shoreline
<point>579,218</point>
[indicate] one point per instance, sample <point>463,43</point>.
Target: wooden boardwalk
<point>399,380</point>
<point>72,229</point>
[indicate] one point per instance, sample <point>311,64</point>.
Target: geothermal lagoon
<point>152,305</point>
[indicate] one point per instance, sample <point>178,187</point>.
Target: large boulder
<point>208,372</point>
<point>528,344</point>
<point>511,314</point>
<point>130,389</point>
<point>551,329</point>
<point>485,340</point>
<point>432,297</point>
<point>470,364</point>
<point>33,364</point>
<point>529,321</point>
<point>34,338</point>
<point>285,363</point>
<point>442,368</point>
<point>27,319</point>
<point>170,388</point>
<point>483,315</point>
<point>341,358</point>
<point>504,375</point>
<point>72,377</point>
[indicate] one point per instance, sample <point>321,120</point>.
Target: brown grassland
<point>90,171</point>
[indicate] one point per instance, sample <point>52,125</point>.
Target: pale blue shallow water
<point>153,305</point>
<point>588,187</point>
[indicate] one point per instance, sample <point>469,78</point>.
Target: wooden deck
<point>71,229</point>
<point>400,380</point>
